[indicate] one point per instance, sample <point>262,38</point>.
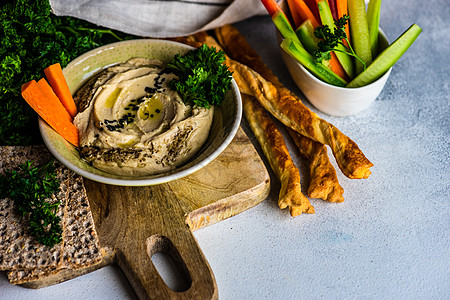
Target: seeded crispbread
<point>19,250</point>
<point>80,247</point>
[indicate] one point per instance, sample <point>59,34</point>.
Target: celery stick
<point>387,58</point>
<point>373,20</point>
<point>327,19</point>
<point>360,33</point>
<point>307,60</point>
<point>282,23</point>
<point>305,33</point>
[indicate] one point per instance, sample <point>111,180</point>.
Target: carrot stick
<point>301,12</point>
<point>49,93</point>
<point>271,6</point>
<point>280,20</point>
<point>345,61</point>
<point>50,110</point>
<point>294,13</point>
<point>336,66</point>
<point>342,10</point>
<point>313,7</point>
<point>306,34</point>
<point>58,83</point>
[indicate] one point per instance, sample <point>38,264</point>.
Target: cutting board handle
<point>133,223</point>
<point>175,239</point>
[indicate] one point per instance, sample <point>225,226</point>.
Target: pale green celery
<point>373,20</point>
<point>345,60</point>
<point>305,33</point>
<point>307,60</point>
<point>386,59</point>
<point>282,23</point>
<point>359,33</point>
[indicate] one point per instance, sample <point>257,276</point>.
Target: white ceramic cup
<point>330,99</point>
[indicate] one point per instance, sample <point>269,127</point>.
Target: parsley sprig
<point>329,41</point>
<point>30,187</point>
<point>31,39</point>
<point>203,77</point>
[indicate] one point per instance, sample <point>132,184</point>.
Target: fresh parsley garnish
<point>203,78</point>
<point>31,39</point>
<point>329,41</point>
<point>30,188</point>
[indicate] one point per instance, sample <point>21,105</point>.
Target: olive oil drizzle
<point>136,104</point>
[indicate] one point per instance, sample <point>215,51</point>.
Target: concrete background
<point>390,239</point>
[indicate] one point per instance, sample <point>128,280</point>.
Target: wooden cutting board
<point>133,223</point>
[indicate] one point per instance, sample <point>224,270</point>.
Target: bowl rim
<point>344,88</point>
<point>283,5</point>
<point>142,180</point>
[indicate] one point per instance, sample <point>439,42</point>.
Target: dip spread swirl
<point>131,122</point>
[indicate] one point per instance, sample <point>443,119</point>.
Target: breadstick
<point>237,48</point>
<point>275,149</point>
<point>289,110</point>
<point>323,183</point>
<point>286,106</point>
<point>273,145</point>
<point>320,187</point>
<point>198,39</point>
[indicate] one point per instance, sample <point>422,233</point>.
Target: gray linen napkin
<point>159,18</point>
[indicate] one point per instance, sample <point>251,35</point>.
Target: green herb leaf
<point>31,187</point>
<point>31,39</point>
<point>329,40</point>
<point>203,78</point>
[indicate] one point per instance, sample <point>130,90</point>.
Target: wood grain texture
<point>133,223</point>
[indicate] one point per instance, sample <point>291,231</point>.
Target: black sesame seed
<point>150,90</point>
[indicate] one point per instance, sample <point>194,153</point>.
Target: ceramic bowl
<point>226,120</point>
<point>330,99</point>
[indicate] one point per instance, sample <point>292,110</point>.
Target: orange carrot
<point>294,13</point>
<point>301,12</point>
<point>271,6</point>
<point>336,66</point>
<point>49,93</point>
<point>58,83</point>
<point>342,10</point>
<point>313,7</point>
<point>51,111</point>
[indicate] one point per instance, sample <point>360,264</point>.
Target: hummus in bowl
<point>135,130</point>
<point>131,123</point>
